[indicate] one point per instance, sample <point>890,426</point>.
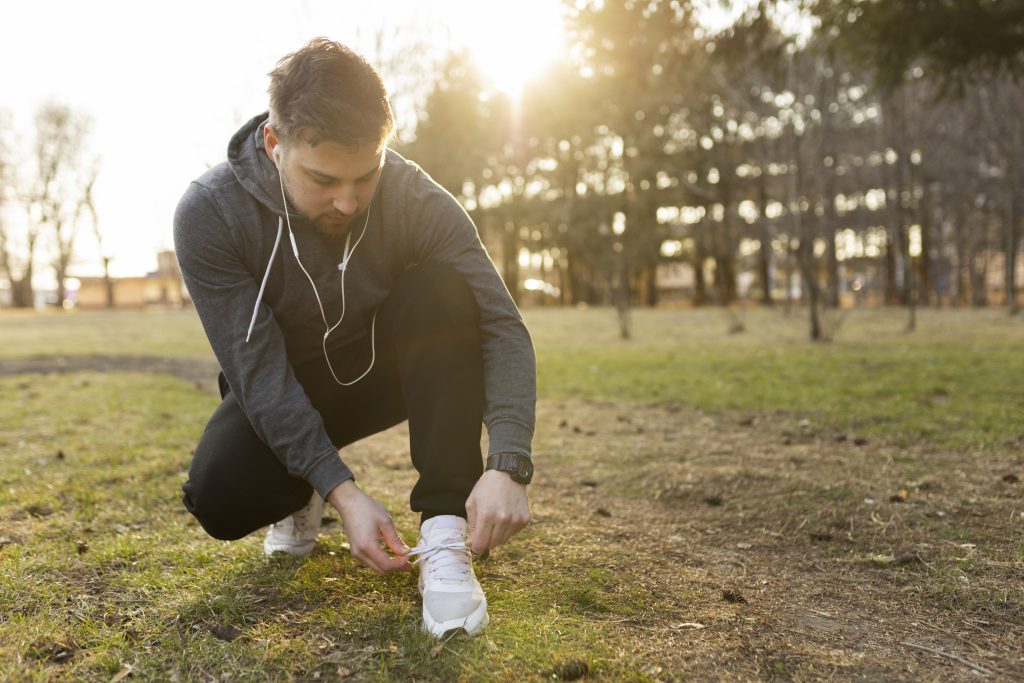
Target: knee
<point>212,510</point>
<point>438,291</point>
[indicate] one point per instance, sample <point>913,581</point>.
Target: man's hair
<point>325,91</point>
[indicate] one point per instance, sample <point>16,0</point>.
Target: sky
<point>166,84</point>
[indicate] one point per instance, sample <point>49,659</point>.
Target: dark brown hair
<point>325,91</point>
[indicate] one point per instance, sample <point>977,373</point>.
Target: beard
<point>331,225</point>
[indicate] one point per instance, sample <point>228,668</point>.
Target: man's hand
<point>366,524</point>
<point>498,509</point>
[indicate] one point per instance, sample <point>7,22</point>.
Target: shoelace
<point>458,562</point>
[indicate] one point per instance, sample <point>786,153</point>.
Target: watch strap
<point>517,465</point>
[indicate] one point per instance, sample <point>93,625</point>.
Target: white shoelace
<point>453,566</point>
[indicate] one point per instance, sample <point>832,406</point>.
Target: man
<point>343,291</point>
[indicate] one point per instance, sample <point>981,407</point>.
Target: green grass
<point>956,382</point>
<point>154,332</point>
<point>107,564</point>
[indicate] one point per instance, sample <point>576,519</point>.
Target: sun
<point>513,42</point>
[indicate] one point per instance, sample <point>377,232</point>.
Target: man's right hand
<point>366,524</point>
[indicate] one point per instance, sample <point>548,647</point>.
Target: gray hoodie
<point>225,228</point>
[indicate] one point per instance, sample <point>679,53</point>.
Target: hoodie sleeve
<point>260,376</point>
<point>441,231</point>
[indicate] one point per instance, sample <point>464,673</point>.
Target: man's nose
<point>345,201</point>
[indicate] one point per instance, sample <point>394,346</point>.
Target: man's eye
<point>323,182</point>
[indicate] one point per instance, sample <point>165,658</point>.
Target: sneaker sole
<point>294,550</point>
<point>473,625</point>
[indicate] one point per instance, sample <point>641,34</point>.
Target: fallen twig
<point>940,653</point>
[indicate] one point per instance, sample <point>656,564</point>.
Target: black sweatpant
<point>428,370</point>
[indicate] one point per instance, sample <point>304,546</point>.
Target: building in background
<point>162,287</point>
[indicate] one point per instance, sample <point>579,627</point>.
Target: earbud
<point>277,154</point>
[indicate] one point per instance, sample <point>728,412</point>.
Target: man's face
<point>329,184</point>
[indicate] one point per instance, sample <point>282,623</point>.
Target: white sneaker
<point>452,597</point>
<point>296,534</point>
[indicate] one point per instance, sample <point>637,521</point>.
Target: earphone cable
<point>343,266</point>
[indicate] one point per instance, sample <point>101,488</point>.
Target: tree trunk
<point>765,253</point>
<point>895,291</point>
<point>963,256</point>
<point>1014,218</point>
<point>805,251</point>
<point>700,292</point>
<point>623,293</point>
<point>22,295</point>
<point>727,255</point>
<point>831,261</point>
<point>940,276</point>
<point>108,282</point>
<point>510,260</point>
<point>651,286</point>
<point>764,266</point>
<point>61,272</point>
<point>789,273</point>
<point>925,263</point>
<point>828,192</point>
<point>979,297</point>
<point>805,259</point>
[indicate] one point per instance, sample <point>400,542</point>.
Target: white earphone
<point>343,266</point>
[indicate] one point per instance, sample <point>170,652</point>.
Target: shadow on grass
<point>326,617</point>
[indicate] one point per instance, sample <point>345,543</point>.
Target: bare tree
<point>5,187</point>
<point>87,205</point>
<point>62,177</point>
<point>18,239</point>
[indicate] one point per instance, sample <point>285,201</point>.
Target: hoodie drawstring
<point>343,266</point>
<point>266,276</point>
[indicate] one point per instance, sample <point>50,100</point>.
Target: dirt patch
<point>722,552</point>
<point>810,534</point>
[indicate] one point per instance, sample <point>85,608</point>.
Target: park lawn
<point>101,568</point>
<point>956,381</point>
<point>144,332</point>
<point>700,531</point>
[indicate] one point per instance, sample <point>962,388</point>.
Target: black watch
<point>515,465</point>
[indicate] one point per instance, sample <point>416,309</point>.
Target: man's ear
<point>271,142</point>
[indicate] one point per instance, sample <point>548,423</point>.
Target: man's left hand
<point>498,508</point>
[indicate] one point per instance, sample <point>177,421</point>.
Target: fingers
<point>367,525</point>
<point>391,538</point>
<point>479,538</point>
<point>374,557</point>
<point>495,529</point>
<point>472,517</point>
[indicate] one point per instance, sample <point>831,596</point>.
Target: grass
<point>954,383</point>
<point>106,564</point>
<point>154,332</point>
<point>103,572</point>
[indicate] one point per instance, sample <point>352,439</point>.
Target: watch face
<point>520,468</point>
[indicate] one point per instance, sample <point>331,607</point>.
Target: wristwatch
<point>515,465</point>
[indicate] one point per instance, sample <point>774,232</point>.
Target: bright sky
<point>168,83</point>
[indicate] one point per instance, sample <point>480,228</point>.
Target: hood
<point>253,168</point>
